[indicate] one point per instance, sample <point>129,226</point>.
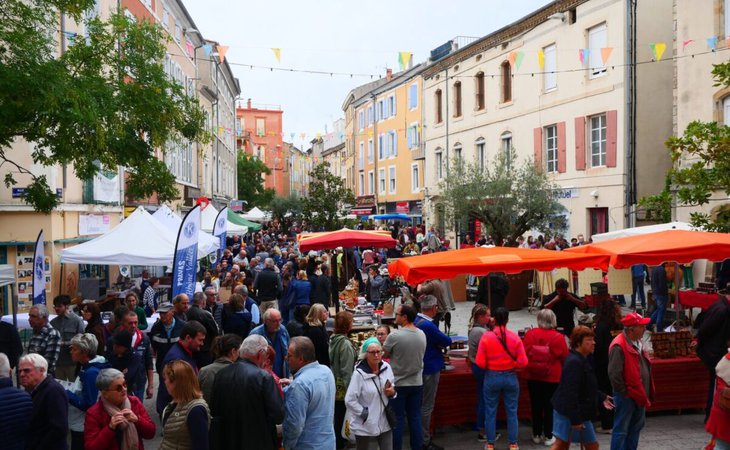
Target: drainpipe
<point>376,142</point>
<point>630,121</point>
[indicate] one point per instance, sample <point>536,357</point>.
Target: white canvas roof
<point>642,230</point>
<point>140,240</point>
<point>256,215</point>
<point>207,220</point>
<point>172,221</point>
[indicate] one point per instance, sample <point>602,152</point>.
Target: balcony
<point>418,153</point>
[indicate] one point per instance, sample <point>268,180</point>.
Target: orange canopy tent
<point>681,246</point>
<point>483,260</point>
<point>345,238</point>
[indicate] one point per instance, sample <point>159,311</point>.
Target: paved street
<point>663,430</point>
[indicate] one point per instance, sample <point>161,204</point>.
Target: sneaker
<point>489,447</point>
<point>537,439</point>
<point>481,437</point>
<point>549,442</point>
<point>514,447</point>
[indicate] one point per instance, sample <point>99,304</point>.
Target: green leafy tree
<point>103,102</point>
<point>700,168</point>
<point>509,199</point>
<point>251,171</point>
<point>286,209</point>
<point>328,199</point>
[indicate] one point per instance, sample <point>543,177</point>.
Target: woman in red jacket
<point>546,350</point>
<point>717,424</point>
<point>117,421</point>
<point>500,354</point>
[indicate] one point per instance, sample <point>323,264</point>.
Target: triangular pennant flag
<point>208,49</point>
<point>404,58</point>
<point>518,60</point>
<point>541,59</point>
<point>302,135</point>
<point>658,49</point>
<point>605,54</point>
<point>291,136</point>
<point>277,54</point>
<point>512,58</point>
<point>712,42</point>
<point>190,48</point>
<point>222,49</point>
<point>583,55</point>
<point>686,42</point>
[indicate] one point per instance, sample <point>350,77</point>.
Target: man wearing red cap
<point>630,373</point>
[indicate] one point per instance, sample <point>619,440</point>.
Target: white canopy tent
<point>256,215</point>
<point>139,240</point>
<point>172,221</point>
<point>207,222</point>
<point>642,230</point>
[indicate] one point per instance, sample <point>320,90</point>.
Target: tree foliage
<point>509,199</point>
<point>328,199</point>
<point>251,181</point>
<point>286,209</point>
<point>700,168</point>
<point>103,102</point>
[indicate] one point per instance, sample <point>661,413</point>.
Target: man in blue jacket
<point>16,408</point>
<point>191,340</point>
<point>48,426</point>
<point>433,362</point>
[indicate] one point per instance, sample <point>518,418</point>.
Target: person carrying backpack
<point>546,350</point>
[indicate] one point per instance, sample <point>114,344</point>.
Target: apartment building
<point>571,86</point>
<point>300,167</point>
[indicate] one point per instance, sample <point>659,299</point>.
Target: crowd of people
<point>253,360</point>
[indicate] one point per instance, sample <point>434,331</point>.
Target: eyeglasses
<point>375,352</point>
<point>119,388</point>
<point>27,370</point>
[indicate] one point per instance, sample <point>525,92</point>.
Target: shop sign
<point>402,207</point>
<point>19,192</point>
<point>237,205</point>
<point>365,201</point>
<point>94,224</point>
<point>362,211</point>
<point>567,193</point>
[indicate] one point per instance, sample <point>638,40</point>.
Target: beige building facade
<point>557,87</point>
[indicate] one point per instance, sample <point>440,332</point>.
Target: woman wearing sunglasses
<point>117,421</point>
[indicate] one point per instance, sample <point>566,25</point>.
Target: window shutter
<point>409,132</point>
<point>611,137</point>
<point>394,105</point>
<point>395,143</point>
<point>538,146</point>
<point>561,147</point>
<point>580,143</point>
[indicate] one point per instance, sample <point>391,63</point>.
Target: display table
<point>694,299</point>
<point>679,383</point>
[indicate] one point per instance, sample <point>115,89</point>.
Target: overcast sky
<point>335,36</point>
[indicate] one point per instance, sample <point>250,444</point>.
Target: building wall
<point>266,144</point>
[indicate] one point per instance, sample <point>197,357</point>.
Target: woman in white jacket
<point>370,389</point>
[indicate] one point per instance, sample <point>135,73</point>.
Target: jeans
<point>383,441</point>
<point>629,419</point>
<point>541,392</point>
<point>430,385</point>
<point>478,373</point>
<point>505,383</point>
<point>721,445</point>
<point>657,317</point>
<point>637,284</point>
<point>407,403</point>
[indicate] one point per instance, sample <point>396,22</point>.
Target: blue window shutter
<point>409,132</point>
<point>394,104</point>
<point>395,143</point>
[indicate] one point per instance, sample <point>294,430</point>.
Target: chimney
<point>388,74</point>
<point>248,103</point>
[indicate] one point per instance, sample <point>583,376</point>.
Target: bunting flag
<point>686,42</point>
<point>584,53</point>
<point>712,42</point>
<point>303,135</point>
<point>512,58</point>
<point>518,60</point>
<point>541,59</point>
<point>39,279</point>
<point>185,263</point>
<point>208,49</point>
<point>190,48</point>
<point>222,50</point>
<point>658,49</point>
<point>404,58</point>
<point>291,136</point>
<point>605,54</point>
<point>277,53</point>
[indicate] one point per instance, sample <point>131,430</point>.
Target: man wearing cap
<point>164,333</point>
<point>630,373</point>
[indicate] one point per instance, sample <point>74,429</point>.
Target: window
<point>437,100</point>
<point>413,96</point>
<point>391,105</point>
<point>412,135</point>
<point>392,144</point>
<point>726,110</point>
<point>360,120</point>
<point>415,181</point>
<point>549,76</point>
<point>479,91</point>
<point>598,140</point>
<point>551,148</point>
<point>370,150</point>
<point>371,182</point>
<point>506,76</point>
<point>361,156</point>
<point>380,111</point>
<point>457,99</point>
<point>596,41</point>
<point>726,10</point>
<point>362,184</point>
<point>178,32</point>
<point>457,154</point>
<point>371,116</point>
<point>381,145</point>
<point>507,146</point>
<point>165,16</point>
<point>391,179</point>
<point>480,153</point>
<point>381,181</point>
<point>439,164</point>
<point>260,126</point>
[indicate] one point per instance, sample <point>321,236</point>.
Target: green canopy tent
<point>238,220</point>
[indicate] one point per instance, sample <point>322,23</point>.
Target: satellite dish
<point>124,271</point>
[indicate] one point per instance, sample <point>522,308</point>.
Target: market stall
<point>345,238</point>
<point>696,299</point>
<point>172,221</point>
<point>207,221</point>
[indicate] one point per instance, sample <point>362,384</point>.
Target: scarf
<point>130,439</point>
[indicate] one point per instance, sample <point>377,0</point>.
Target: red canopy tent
<point>346,238</point>
<point>483,260</point>
<point>681,246</point>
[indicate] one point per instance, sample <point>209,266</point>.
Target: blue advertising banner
<point>185,264</point>
<point>39,273</point>
<point>219,230</point>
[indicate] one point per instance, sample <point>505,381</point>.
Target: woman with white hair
<point>83,393</point>
<point>546,350</point>
<point>117,421</point>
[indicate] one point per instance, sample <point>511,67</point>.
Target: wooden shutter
<point>538,147</point>
<point>561,147</point>
<point>611,137</point>
<point>580,143</point>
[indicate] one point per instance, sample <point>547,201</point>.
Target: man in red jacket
<point>629,370</point>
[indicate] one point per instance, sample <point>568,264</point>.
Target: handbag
<point>723,399</point>
<point>387,410</point>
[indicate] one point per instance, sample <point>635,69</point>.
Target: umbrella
<point>641,230</point>
<point>679,246</point>
<point>484,260</point>
<point>345,238</point>
<point>391,217</point>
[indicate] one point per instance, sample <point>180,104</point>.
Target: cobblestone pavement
<point>663,430</point>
